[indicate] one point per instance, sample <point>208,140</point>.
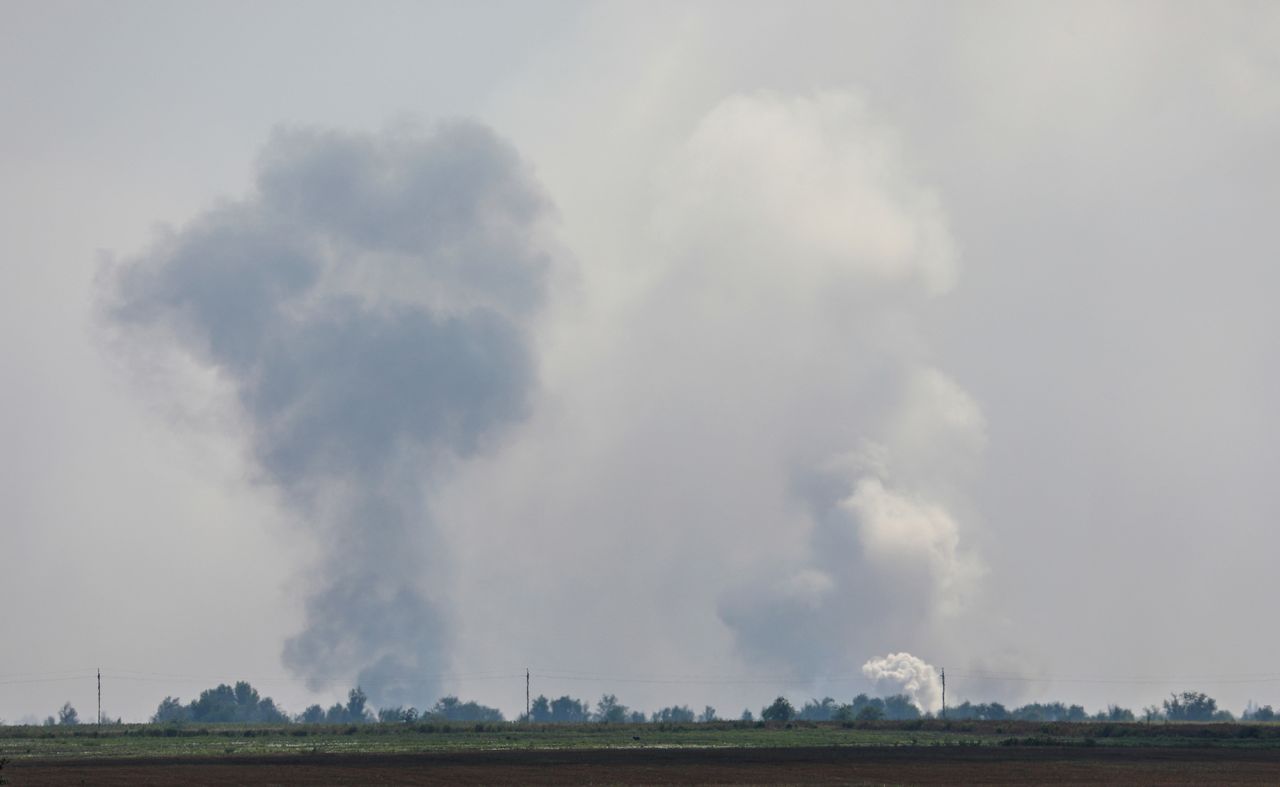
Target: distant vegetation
<point>446,709</point>
<point>242,704</point>
<point>224,703</point>
<point>66,716</point>
<point>897,707</point>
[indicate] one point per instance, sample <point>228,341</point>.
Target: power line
<point>718,679</point>
<point>727,681</point>
<point>1239,678</point>
<point>142,675</point>
<point>69,678</point>
<point>1261,677</point>
<point>48,673</point>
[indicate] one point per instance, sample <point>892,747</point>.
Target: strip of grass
<point>150,740</point>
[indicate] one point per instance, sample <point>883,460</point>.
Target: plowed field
<point>798,765</point>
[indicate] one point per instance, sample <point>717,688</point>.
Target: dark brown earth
<point>843,765</point>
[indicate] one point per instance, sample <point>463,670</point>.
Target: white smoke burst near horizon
<point>902,673</point>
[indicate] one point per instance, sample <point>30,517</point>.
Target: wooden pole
<point>944,692</point>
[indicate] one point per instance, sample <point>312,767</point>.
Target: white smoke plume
<point>897,528</point>
<point>902,673</point>
<point>803,214</point>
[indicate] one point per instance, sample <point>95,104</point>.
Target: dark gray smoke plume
<point>369,306</point>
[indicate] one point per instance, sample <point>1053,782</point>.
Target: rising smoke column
<point>369,305</point>
<point>799,223</point>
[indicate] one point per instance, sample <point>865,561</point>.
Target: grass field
<point>923,752</point>
<point>147,740</point>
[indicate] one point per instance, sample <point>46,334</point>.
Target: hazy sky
<point>696,352</point>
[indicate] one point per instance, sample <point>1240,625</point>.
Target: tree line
<point>1184,706</point>
<point>243,704</point>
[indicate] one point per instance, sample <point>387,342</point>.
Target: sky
<point>692,352</point>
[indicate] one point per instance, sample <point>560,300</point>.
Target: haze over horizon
<point>691,352</point>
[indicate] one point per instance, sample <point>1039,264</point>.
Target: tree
<point>1190,706</point>
<point>453,709</point>
<point>676,714</point>
<point>215,705</point>
<point>1114,713</point>
<point>446,707</point>
<point>223,703</point>
<point>610,711</point>
<point>708,715</point>
<point>567,710</point>
<point>861,702</point>
<point>268,712</point>
<point>746,715</point>
<point>398,714</point>
<point>170,711</point>
<point>312,715</point>
<point>870,713</point>
<point>815,710</point>
<point>67,715</point>
<point>540,710</point>
<point>356,710</point>
<point>899,707</point>
<point>246,695</point>
<point>780,710</point>
<point>964,711</point>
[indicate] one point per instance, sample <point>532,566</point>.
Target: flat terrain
<point>829,765</point>
<point>866,753</point>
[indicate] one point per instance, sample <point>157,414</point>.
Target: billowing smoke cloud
<point>902,673</point>
<point>812,213</point>
<point>369,306</point>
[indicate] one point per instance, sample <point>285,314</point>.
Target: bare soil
<point>827,765</point>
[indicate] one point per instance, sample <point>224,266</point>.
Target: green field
<point>149,740</point>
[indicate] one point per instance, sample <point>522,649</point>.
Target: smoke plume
<point>369,306</point>
<point>902,673</point>
<point>803,214</point>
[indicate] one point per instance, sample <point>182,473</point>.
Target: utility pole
<point>944,692</point>
<point>99,696</point>
<point>526,695</point>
